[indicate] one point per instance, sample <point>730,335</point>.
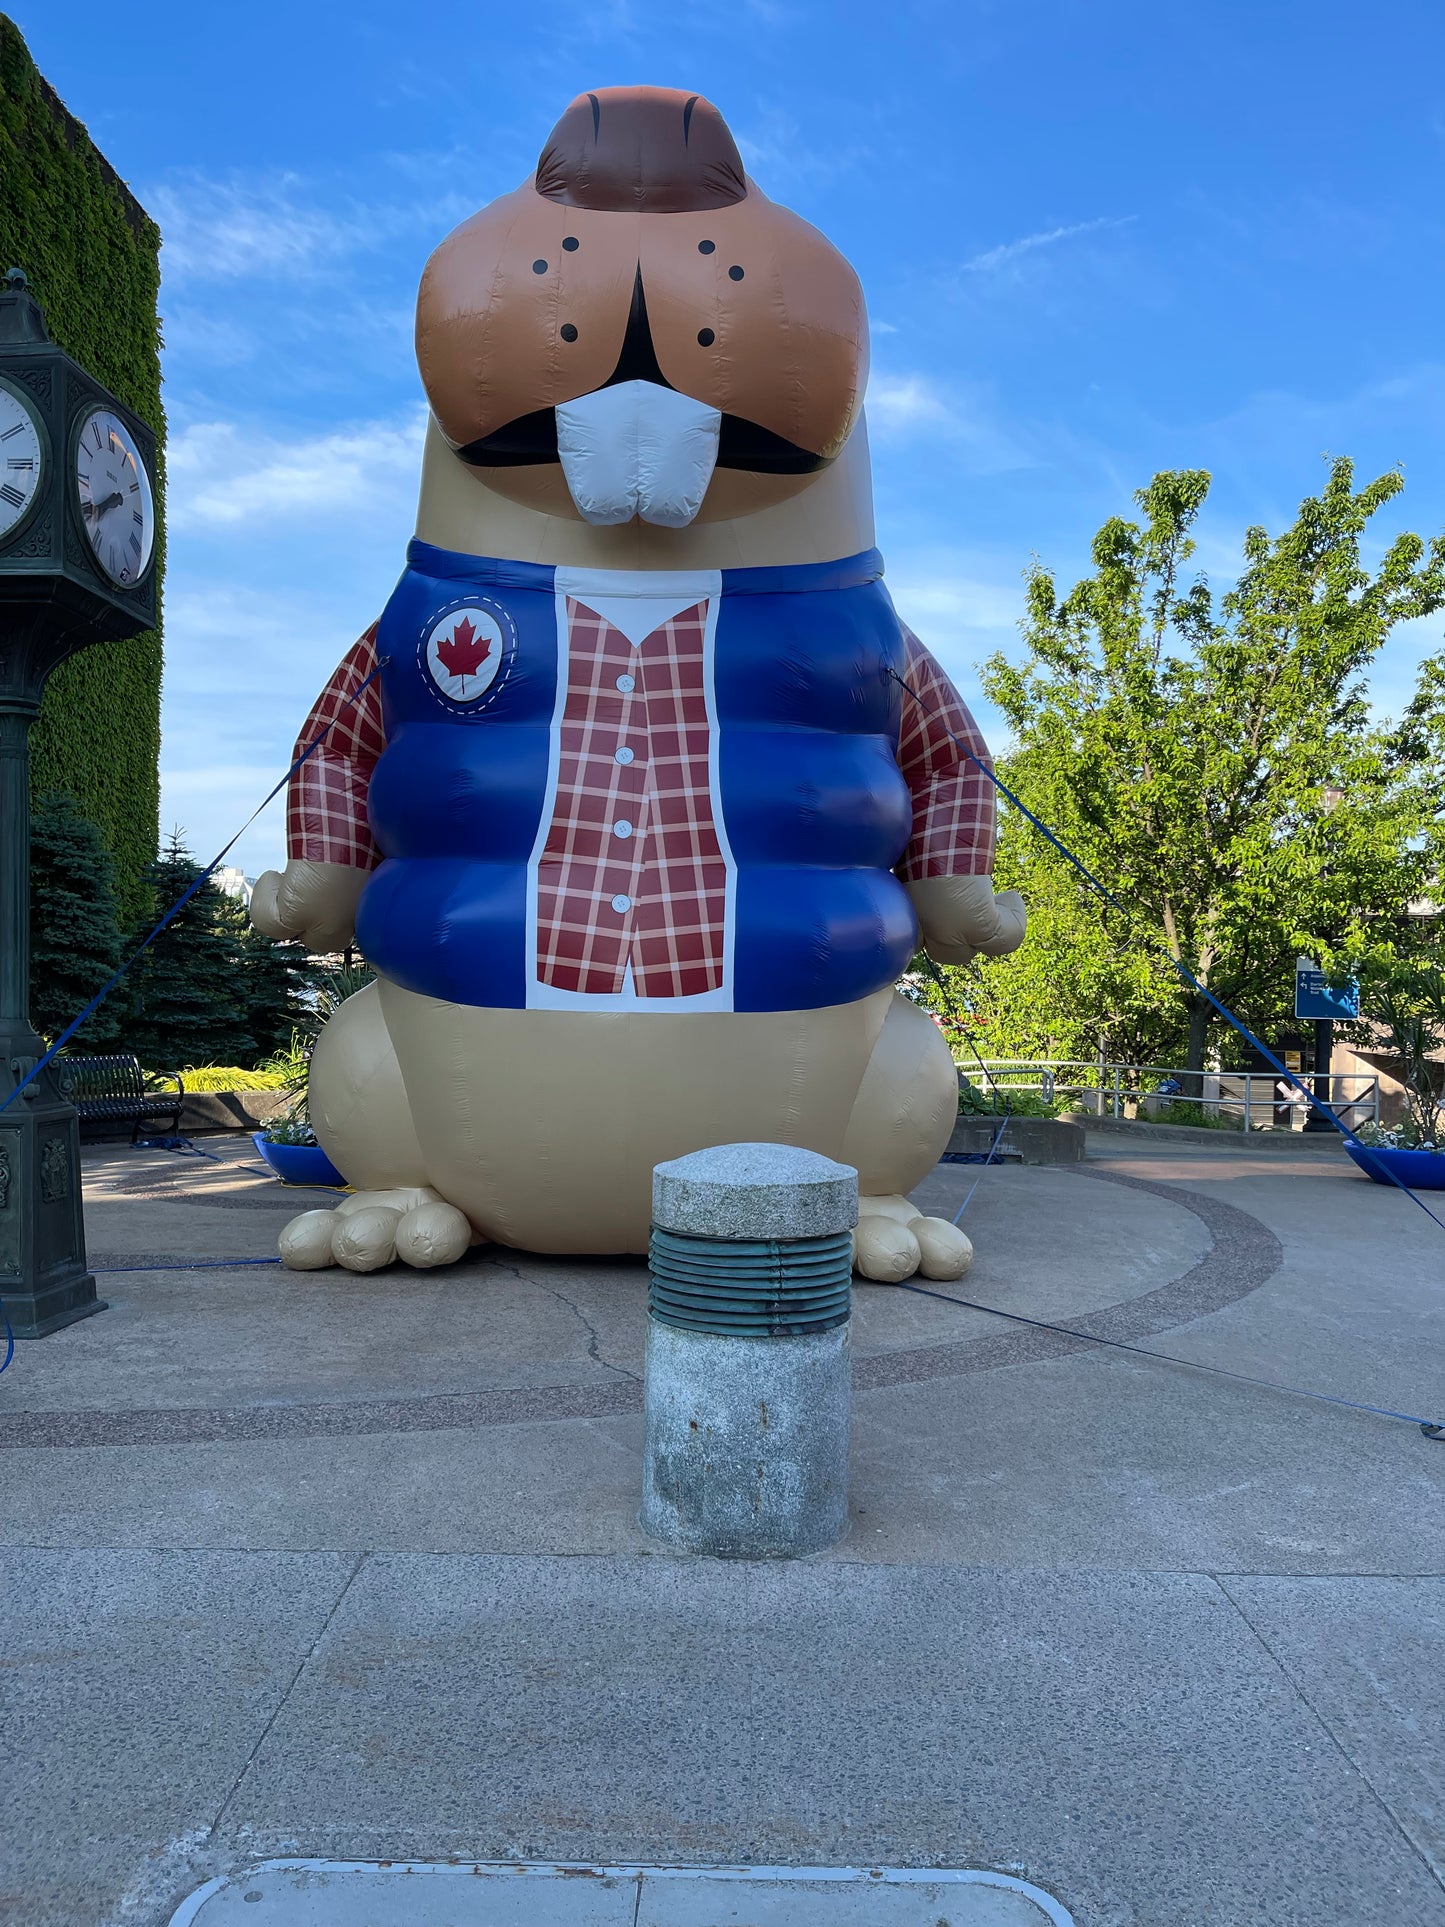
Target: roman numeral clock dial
<point>20,462</point>
<point>116,505</point>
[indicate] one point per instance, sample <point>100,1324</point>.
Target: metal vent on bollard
<point>751,1287</point>
<point>749,1373</point>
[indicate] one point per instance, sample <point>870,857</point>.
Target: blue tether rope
<point>195,1264</point>
<point>997,1136</point>
<point>180,903</point>
<point>184,898</point>
<point>1183,969</point>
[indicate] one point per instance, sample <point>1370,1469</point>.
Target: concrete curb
<point>1037,1140</point>
<point>1276,1143</point>
<point>205,1111</point>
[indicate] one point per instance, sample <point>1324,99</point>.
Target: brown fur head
<point>640,250</point>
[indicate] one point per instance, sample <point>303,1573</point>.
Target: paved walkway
<point>348,1567</point>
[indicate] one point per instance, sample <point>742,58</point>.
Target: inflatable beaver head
<point>638,332</point>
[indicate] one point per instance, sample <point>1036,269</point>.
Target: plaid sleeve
<point>326,817</point>
<point>955,816</point>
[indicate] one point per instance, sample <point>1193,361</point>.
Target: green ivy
<point>92,255</point>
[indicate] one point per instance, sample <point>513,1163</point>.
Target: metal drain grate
<point>331,1893</point>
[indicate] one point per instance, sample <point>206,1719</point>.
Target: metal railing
<point>1248,1099</point>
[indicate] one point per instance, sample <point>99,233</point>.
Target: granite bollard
<point>749,1373</point>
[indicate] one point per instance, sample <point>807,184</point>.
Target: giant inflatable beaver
<point>636,822</point>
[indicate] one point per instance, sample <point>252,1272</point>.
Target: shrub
<point>230,1077</point>
<point>1186,1111</point>
<point>74,937</point>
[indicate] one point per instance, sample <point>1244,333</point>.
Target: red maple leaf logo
<point>464,651</point>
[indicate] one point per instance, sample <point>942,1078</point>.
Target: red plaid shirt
<point>326,819</point>
<point>632,872</point>
<point>955,810</point>
<point>650,899</point>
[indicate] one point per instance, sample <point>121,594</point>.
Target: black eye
<point>735,274</point>
<point>571,244</point>
<point>705,337</point>
<point>539,267</point>
<point>706,247</point>
<point>567,331</point>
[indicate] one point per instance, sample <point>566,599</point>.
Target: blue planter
<point>1421,1170</point>
<point>298,1163</point>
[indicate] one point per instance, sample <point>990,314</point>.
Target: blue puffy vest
<point>814,811</point>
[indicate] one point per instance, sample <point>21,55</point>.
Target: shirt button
<point>626,684</point>
<point>623,756</point>
<point>621,903</point>
<point>622,827</point>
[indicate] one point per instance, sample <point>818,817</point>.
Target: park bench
<point>113,1090</point>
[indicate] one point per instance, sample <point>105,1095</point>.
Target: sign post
<point>1321,1000</point>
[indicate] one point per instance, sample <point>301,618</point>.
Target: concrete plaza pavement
<point>348,1567</point>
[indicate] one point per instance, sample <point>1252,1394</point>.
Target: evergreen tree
<point>188,1001</point>
<point>75,942</point>
<point>276,982</point>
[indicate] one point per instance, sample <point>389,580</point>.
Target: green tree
<point>1404,1014</point>
<point>276,981</point>
<point>1422,739</point>
<point>1076,990</point>
<point>74,932</point>
<point>1214,763</point>
<point>187,991</point>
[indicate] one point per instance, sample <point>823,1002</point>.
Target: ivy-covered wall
<point>92,254</point>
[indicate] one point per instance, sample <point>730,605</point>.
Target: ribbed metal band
<point>750,1288</point>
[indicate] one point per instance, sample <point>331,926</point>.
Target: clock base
<point>24,1322</point>
<point>44,1280</point>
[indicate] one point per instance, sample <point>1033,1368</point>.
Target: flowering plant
<point>1404,1136</point>
<point>288,1130</point>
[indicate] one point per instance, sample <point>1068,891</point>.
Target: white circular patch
<point>464,652</point>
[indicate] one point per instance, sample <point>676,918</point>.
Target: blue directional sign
<point>1315,995</point>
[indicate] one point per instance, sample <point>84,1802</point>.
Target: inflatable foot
<point>894,1241</point>
<point>375,1228</point>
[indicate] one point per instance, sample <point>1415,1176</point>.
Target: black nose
<point>638,360</point>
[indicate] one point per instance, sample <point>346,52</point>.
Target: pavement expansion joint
<point>332,1893</point>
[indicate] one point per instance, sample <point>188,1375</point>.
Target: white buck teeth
<point>637,449</point>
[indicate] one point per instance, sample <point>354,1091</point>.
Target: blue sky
<point>1097,240</point>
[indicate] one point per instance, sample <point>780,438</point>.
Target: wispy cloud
<point>782,154</point>
<point>956,597</point>
<point>1009,253</point>
<point>231,230</point>
<point>909,406</point>
<point>905,401</point>
<point>964,604</point>
<point>281,228</point>
<point>243,666</point>
<point>221,475</point>
<point>284,548</point>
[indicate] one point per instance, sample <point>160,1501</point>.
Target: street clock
<point>77,567</point>
<point>77,491</point>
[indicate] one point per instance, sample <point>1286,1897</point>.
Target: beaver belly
<point>544,1125</point>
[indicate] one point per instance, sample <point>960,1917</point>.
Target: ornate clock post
<point>77,566</point>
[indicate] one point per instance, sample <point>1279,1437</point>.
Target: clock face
<point>116,505</point>
<point>21,459</point>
